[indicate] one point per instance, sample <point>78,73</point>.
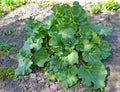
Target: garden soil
<point>14,24</point>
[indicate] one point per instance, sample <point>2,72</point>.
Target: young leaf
<point>95,38</point>
<point>68,37</point>
<point>40,57</point>
<point>87,45</point>
<point>55,40</point>
<point>71,58</point>
<point>47,22</point>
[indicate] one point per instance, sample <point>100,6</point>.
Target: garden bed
<point>13,23</point>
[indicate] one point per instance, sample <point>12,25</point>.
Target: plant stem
<point>82,63</point>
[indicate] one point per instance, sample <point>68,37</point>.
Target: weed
<point>94,9</point>
<point>7,5</point>
<point>6,47</point>
<point>9,30</point>
<point>110,5</point>
<point>6,72</point>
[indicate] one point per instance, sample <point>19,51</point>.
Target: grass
<point>5,47</point>
<point>110,5</point>
<point>7,5</point>
<point>94,9</point>
<point>6,72</point>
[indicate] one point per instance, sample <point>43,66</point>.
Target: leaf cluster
<point>111,5</point>
<point>6,47</point>
<point>6,72</point>
<point>7,5</point>
<point>94,9</point>
<point>68,46</point>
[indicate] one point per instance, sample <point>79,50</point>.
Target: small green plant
<point>9,30</point>
<point>6,47</point>
<point>94,9</point>
<point>6,5</point>
<point>11,3</point>
<point>68,46</point>
<point>111,5</point>
<point>1,12</point>
<point>6,72</point>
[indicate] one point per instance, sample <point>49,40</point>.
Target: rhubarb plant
<point>68,46</point>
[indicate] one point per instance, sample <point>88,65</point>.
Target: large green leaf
<point>105,49</point>
<point>103,29</point>
<point>55,40</point>
<point>97,53</point>
<point>67,33</point>
<point>67,77</point>
<point>61,10</point>
<point>40,57</point>
<point>25,52</point>
<point>92,56</point>
<point>62,14</point>
<point>30,26</point>
<point>87,43</point>
<point>55,65</point>
<point>68,37</point>
<point>47,22</point>
<point>95,74</point>
<point>36,43</point>
<point>23,66</point>
<point>80,17</point>
<point>85,31</point>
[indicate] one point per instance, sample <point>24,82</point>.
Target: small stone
<point>24,89</point>
<point>53,87</point>
<point>60,90</point>
<point>38,78</point>
<point>1,85</point>
<point>32,76</point>
<point>26,77</point>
